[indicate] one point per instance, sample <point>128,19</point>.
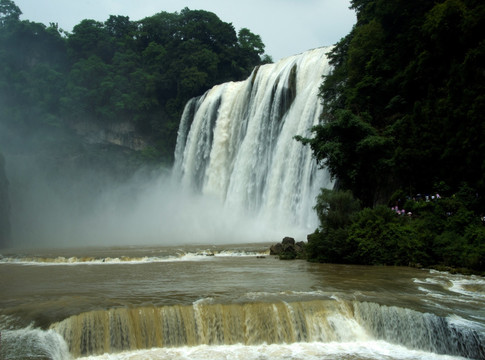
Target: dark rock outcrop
<point>288,249</point>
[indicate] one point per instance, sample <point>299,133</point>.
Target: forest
<point>403,135</point>
<point>120,70</point>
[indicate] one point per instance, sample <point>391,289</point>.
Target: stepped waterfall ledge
<point>258,323</point>
<point>236,142</point>
<point>162,303</point>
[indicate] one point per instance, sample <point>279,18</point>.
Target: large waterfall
<point>236,142</point>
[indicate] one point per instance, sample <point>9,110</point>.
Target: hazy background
<point>93,195</point>
<point>85,206</point>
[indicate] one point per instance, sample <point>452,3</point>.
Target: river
<point>230,302</point>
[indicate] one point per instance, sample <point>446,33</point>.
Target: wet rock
<point>276,249</point>
<point>288,249</point>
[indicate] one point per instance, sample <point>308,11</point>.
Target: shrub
<point>335,210</point>
<point>382,237</point>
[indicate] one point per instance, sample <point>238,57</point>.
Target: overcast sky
<point>287,27</point>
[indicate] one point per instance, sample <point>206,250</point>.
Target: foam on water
<point>473,286</point>
<point>446,291</point>
<point>363,350</point>
<point>88,260</point>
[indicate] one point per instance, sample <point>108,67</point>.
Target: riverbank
<point>289,249</point>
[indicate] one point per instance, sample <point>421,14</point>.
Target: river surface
<point>230,302</point>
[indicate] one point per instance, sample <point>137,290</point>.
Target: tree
<point>207,28</point>
<point>251,48</point>
<point>354,152</point>
<point>9,12</point>
<point>120,27</point>
<point>89,38</point>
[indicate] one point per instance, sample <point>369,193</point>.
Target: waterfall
<point>236,142</point>
<point>121,329</point>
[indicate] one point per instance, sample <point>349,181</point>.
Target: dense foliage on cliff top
<point>142,71</point>
<point>405,109</point>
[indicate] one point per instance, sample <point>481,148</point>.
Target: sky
<point>287,27</point>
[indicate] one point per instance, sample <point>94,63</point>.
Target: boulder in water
<point>288,249</point>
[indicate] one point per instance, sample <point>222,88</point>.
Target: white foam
<point>452,289</point>
<point>189,256</point>
<point>375,350</point>
<point>473,287</point>
<point>319,294</point>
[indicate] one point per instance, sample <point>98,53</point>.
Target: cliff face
<point>121,134</point>
<point>4,205</point>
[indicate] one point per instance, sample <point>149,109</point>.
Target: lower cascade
<point>114,330</point>
<point>236,142</point>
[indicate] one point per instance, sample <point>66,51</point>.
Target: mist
<point>66,205</point>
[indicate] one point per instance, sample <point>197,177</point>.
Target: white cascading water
<point>236,142</point>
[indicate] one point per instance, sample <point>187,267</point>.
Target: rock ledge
<point>288,249</point>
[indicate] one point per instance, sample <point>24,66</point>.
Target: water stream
<point>232,301</point>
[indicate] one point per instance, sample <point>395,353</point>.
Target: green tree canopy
<point>119,70</point>
<point>9,12</point>
<point>412,74</point>
<point>404,114</point>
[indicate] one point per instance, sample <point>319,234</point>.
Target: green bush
<point>380,236</point>
<point>442,233</point>
<point>335,210</point>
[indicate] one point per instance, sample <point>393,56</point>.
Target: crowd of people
<point>401,212</point>
<point>419,197</point>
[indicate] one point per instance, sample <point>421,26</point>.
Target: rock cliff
<point>121,134</point>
